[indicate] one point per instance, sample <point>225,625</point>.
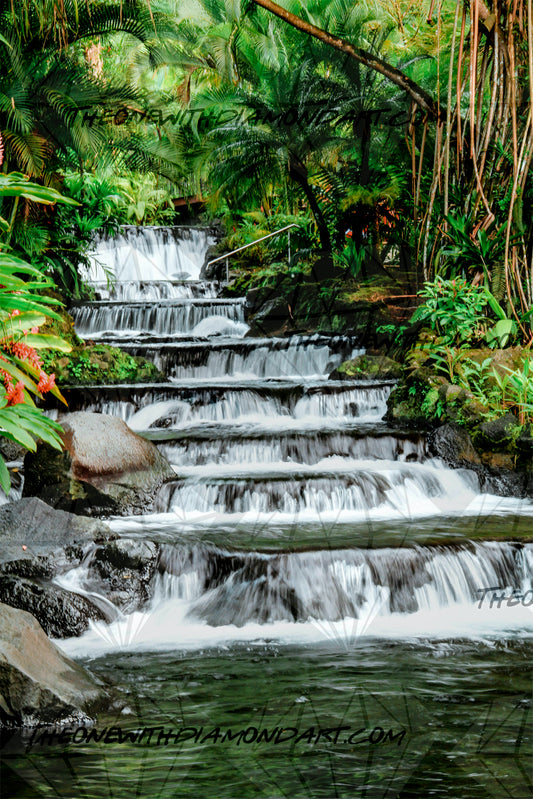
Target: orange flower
<point>15,395</point>
<point>23,352</point>
<point>46,382</point>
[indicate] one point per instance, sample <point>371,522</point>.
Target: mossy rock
<point>100,364</point>
<point>368,367</point>
<point>62,327</point>
<point>91,364</point>
<point>293,305</point>
<point>411,403</point>
<point>498,433</point>
<point>511,358</point>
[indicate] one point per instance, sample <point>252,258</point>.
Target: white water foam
<point>446,605</point>
<point>150,254</point>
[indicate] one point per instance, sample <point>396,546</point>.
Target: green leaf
<point>18,324</point>
<point>41,428</point>
<point>41,341</point>
<point>5,478</point>
<point>17,185</point>
<point>12,368</point>
<point>495,306</point>
<point>14,264</point>
<point>501,331</point>
<point>21,303</point>
<point>9,425</point>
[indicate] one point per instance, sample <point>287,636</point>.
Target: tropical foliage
<point>400,139</point>
<point>23,310</point>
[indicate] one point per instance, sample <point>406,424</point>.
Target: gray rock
<point>61,613</point>
<point>454,445</point>
<point>494,469</point>
<point>36,540</point>
<point>106,468</point>
<point>498,432</point>
<point>11,451</point>
<point>36,543</point>
<point>374,367</point>
<point>38,683</point>
<point>524,441</point>
<point>123,571</point>
<point>130,553</point>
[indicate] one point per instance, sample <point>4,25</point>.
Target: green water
<point>464,707</point>
<point>271,536</point>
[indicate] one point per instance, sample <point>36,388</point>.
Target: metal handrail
<point>245,246</point>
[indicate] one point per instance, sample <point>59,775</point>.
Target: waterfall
<point>205,595</point>
<point>262,442</point>
<point>150,290</point>
<point>236,402</point>
<point>108,321</point>
<point>150,254</point>
<point>355,489</point>
<point>307,447</point>
<point>293,358</point>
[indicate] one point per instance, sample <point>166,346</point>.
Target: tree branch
<point>419,95</point>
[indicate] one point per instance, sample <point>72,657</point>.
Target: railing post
<point>227,270</point>
<point>289,247</point>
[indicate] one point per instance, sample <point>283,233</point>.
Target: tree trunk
<point>298,173</point>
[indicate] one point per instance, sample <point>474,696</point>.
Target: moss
<point>91,364</point>
<point>99,364</point>
<point>428,400</point>
<point>374,291</point>
<point>368,367</point>
<point>293,305</point>
<point>63,327</point>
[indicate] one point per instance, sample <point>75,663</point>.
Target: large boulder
<point>61,613</point>
<point>38,541</point>
<point>104,469</point>
<point>498,471</point>
<point>36,544</point>
<point>38,683</point>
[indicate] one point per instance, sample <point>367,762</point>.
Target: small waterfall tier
<point>296,358</point>
<point>204,594</point>
<point>140,255</point>
<point>119,321</point>
<point>278,404</point>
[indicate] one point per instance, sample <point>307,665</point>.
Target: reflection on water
<point>332,712</point>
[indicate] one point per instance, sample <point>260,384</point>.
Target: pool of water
<point>440,718</point>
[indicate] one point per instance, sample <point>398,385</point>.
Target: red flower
<point>23,352</point>
<point>46,382</point>
<point>14,394</point>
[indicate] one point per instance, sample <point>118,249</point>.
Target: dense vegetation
<point>400,144</point>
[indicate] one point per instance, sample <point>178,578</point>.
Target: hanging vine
<point>488,126</point>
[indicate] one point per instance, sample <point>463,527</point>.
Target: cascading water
<point>150,254</point>
<point>290,358</point>
<point>256,432</point>
<point>204,594</point>
<point>306,554</point>
<point>283,403</point>
<point>168,318</point>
